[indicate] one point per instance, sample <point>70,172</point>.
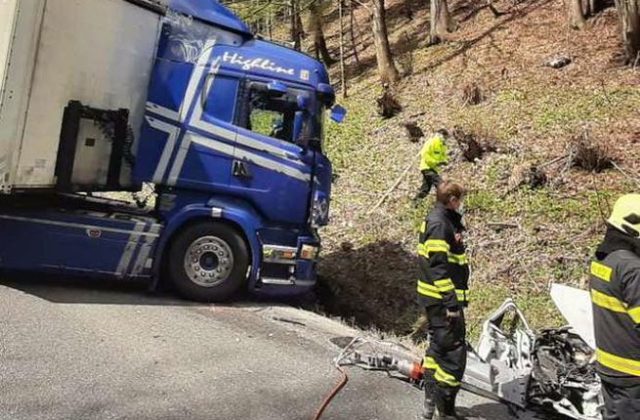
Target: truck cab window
<point>270,115</point>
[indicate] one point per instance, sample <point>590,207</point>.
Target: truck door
<point>208,147</point>
<point>269,169</point>
<point>188,134</point>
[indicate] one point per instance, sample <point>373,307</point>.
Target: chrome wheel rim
<point>208,261</point>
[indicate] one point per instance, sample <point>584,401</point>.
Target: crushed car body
<point>553,370</point>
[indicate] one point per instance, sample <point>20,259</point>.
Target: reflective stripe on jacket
<point>615,293</point>
<point>433,154</point>
<point>444,267</point>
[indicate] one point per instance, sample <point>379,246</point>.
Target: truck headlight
<point>278,254</point>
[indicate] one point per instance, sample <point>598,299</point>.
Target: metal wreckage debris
<point>551,372</point>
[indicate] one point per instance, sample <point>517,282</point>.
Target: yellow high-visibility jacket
<point>444,266</point>
<point>434,154</point>
<point>615,292</point>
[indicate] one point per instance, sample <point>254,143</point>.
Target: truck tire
<point>208,262</point>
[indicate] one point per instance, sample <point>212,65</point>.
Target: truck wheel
<point>208,262</point>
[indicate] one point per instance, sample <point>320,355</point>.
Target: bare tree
<point>593,7</point>
<point>295,24</point>
<point>315,26</point>
<point>576,16</point>
<point>352,32</point>
<point>492,7</point>
<point>386,67</point>
<point>343,74</point>
<point>299,25</point>
<point>629,13</point>
<point>440,21</point>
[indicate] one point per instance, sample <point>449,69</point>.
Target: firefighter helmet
<point>626,215</point>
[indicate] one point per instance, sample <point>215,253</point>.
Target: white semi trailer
<point>98,52</point>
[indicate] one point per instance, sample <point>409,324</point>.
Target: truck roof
<point>209,11</point>
<point>259,56</point>
<point>272,60</point>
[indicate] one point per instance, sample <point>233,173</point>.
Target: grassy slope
<point>531,113</point>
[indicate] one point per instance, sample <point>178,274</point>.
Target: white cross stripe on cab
<point>173,132</point>
<point>178,117</point>
<point>249,157</point>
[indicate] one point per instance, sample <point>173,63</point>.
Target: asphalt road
<point>70,352</point>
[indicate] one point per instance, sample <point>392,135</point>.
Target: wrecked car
<point>552,371</point>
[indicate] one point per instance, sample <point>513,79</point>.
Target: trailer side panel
<point>19,35</point>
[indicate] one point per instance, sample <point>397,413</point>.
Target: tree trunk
<point>315,25</point>
<point>343,73</point>
<point>299,25</point>
<point>386,67</point>
<point>352,32</point>
<point>629,13</point>
<point>576,17</point>
<point>294,22</point>
<point>593,7</point>
<point>440,21</point>
<point>493,9</point>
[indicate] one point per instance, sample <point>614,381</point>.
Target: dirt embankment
<point>534,212</point>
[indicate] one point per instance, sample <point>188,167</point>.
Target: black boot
<point>440,401</point>
<point>429,407</point>
<point>446,403</point>
<point>450,405</point>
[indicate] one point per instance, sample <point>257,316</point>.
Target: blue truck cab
<point>232,138</point>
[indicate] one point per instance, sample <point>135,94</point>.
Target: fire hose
<point>333,393</point>
<point>382,356</point>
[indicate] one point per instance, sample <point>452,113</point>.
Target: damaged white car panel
<point>553,370</point>
<point>501,367</point>
<point>575,306</point>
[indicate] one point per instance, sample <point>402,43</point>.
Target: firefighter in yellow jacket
<point>443,293</point>
<point>433,156</point>
<point>615,293</point>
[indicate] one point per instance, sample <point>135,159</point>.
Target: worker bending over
<point>615,292</point>
<point>443,292</point>
<point>433,156</point>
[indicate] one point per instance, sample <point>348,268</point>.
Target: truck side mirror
<point>326,94</point>
<point>338,114</point>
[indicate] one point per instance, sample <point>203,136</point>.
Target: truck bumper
<point>288,270</point>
